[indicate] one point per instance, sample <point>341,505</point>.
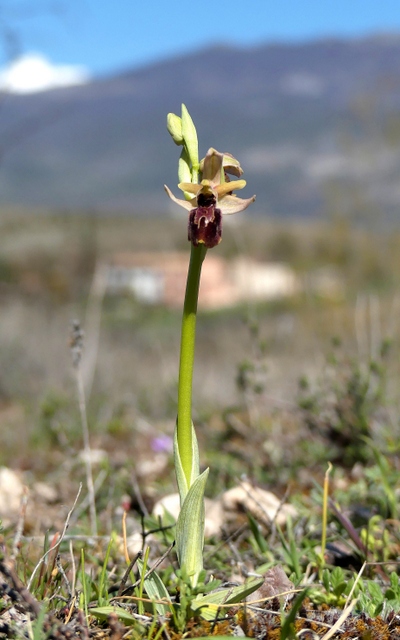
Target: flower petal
<point>189,187</point>
<point>225,188</point>
<point>212,166</point>
<point>233,204</point>
<point>231,165</point>
<point>207,186</point>
<point>186,204</point>
<point>205,226</point>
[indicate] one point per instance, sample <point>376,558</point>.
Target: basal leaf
<point>210,603</point>
<point>155,589</point>
<point>102,613</point>
<point>190,529</point>
<point>195,466</point>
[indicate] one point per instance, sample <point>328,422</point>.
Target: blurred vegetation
<point>281,389</point>
<point>249,355</point>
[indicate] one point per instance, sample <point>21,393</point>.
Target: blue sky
<point>112,35</point>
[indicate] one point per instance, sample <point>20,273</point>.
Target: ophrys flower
<point>212,198</point>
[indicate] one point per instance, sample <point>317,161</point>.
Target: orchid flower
<point>213,198</point>
<point>208,195</point>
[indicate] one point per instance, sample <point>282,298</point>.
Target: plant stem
<point>87,450</point>
<point>325,513</point>
<point>188,338</point>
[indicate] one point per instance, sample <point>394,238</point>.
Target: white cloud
<point>32,72</point>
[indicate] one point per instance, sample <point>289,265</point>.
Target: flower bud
<point>174,126</point>
<point>189,134</point>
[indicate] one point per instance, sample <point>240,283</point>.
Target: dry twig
<point>60,539</point>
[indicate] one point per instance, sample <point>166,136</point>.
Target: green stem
<point>188,338</point>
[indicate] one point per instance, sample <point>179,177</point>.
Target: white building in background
<point>145,283</point>
<point>160,278</point>
<point>263,280</point>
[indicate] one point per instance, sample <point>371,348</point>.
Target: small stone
<point>94,456</point>
<point>214,513</point>
<point>169,504</point>
<point>134,543</point>
<point>11,491</point>
<point>152,467</point>
<point>276,583</point>
<point>238,632</point>
<point>263,505</point>
<point>45,492</point>
<point>214,518</point>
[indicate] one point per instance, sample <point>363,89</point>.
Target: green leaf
<point>339,589</point>
<point>288,629</point>
<point>37,625</point>
<point>375,591</point>
<point>102,613</point>
<point>394,581</point>
<point>155,589</point>
<point>140,589</point>
<point>103,591</point>
<point>210,603</point>
<point>326,580</point>
<point>190,529</point>
<point>337,577</point>
<point>195,465</point>
<point>258,536</point>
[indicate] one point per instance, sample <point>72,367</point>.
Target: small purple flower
<point>161,444</point>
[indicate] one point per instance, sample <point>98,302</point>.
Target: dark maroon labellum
<point>205,222</point>
<point>205,226</point>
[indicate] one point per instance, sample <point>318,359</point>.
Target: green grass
<point>83,582</point>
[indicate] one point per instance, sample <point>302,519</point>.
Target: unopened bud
<point>174,126</point>
<point>189,134</point>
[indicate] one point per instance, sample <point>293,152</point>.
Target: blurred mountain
<point>316,127</point>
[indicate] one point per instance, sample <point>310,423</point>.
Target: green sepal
<point>189,134</point>
<point>190,529</point>
<point>155,589</point>
<point>184,172</point>
<point>195,465</point>
<point>210,603</point>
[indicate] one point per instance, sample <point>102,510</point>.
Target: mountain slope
<point>301,118</point>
